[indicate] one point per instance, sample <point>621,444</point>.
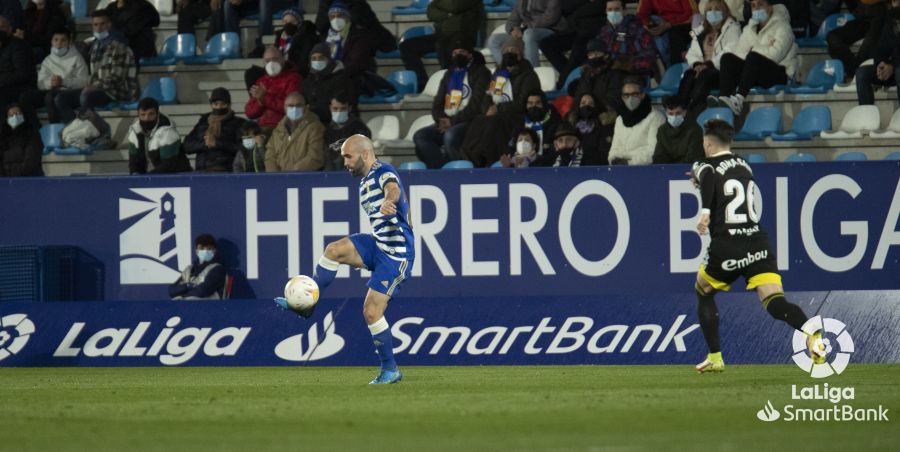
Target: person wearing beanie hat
<point>452,19</point>
<point>350,43</point>
<point>327,79</point>
<point>216,138</point>
<point>532,21</point>
<point>565,50</point>
<point>227,17</point>
<point>567,143</point>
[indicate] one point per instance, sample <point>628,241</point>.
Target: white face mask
<point>294,113</point>
<point>273,68</point>
<point>523,147</point>
<point>248,142</point>
<point>15,120</point>
<point>60,51</point>
<point>318,65</point>
<point>338,23</point>
<point>340,117</point>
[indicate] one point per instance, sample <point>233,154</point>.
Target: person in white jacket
<point>63,69</point>
<point>765,56</point>
<point>718,34</point>
<point>634,135</point>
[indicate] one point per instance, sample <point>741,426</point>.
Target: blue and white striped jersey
<point>393,235</point>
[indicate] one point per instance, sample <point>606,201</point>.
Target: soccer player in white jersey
<point>388,252</point>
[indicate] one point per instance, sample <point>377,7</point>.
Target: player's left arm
<point>391,189</point>
<point>702,177</point>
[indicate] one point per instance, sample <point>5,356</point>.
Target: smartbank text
<point>176,344</point>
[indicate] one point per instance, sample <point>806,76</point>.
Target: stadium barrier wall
<point>625,329</point>
<point>479,233</point>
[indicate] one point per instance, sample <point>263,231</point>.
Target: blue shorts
<point>387,274</point>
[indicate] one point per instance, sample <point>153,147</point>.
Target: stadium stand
<point>805,111</point>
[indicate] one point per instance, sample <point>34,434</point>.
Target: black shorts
<point>728,258</point>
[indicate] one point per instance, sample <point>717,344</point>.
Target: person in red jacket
<point>266,104</point>
<point>672,21</point>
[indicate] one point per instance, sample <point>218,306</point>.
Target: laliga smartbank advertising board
<point>488,233</point>
<point>628,329</point>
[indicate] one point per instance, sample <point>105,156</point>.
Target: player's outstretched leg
<point>373,310</point>
<point>773,300</point>
<point>708,314</point>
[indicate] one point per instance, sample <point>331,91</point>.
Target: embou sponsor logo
<point>157,241</point>
<point>735,264</point>
<point>173,347</point>
<point>575,333</point>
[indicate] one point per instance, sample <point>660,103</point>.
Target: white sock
<point>379,326</point>
<point>328,264</point>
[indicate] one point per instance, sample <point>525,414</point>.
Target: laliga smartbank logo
<point>15,330</point>
<point>838,346</point>
<point>313,348</point>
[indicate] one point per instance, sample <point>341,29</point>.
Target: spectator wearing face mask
<point>252,156</point>
<point>266,104</point>
<point>458,101</point>
<point>216,138</point>
<point>154,145</point>
<point>524,150</point>
<point>20,146</point>
<point>567,144</point>
<point>349,42</point>
<point>296,144</point>
<point>343,125</point>
<point>680,139</point>
<point>718,35</point>
<point>327,79</point>
<point>543,119</point>
<point>295,40</point>
<point>17,72</point>
<point>601,76</point>
<point>626,40</point>
<point>634,138</point>
<point>204,279</point>
<point>63,69</point>
<point>595,122</point>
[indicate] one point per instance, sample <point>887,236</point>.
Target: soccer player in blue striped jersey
<point>388,252</point>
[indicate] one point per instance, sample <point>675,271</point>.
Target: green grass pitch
<point>619,408</point>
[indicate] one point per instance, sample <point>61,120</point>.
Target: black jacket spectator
<point>17,71</point>
<point>12,11</point>
<point>39,25</point>
<point>682,144</point>
<point>161,145</point>
<point>228,143</point>
<point>335,135</point>
<point>20,150</point>
<point>136,19</point>
<point>302,42</point>
<point>479,79</point>
<point>524,80</point>
<point>362,15</point>
<point>210,288</point>
<point>321,86</point>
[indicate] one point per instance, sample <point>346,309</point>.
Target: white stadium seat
<point>384,127</point>
<point>860,120</point>
<point>892,131</point>
<point>547,76</point>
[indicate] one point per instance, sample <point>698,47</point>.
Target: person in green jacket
<point>680,139</point>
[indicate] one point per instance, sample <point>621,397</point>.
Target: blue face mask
<point>205,256</point>
<point>714,17</point>
<point>675,120</point>
<point>318,65</point>
<point>615,17</point>
<point>294,113</point>
<point>101,35</point>
<point>760,15</point>
<point>60,52</point>
<point>340,117</point>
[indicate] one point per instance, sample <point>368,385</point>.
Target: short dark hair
<point>148,103</point>
<point>635,80</point>
<point>100,13</point>
<point>62,31</point>
<point>250,128</point>
<point>205,240</point>
<point>719,130</point>
<point>341,98</point>
<point>672,102</point>
<point>530,132</point>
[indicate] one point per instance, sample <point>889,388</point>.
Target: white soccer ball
<point>301,292</point>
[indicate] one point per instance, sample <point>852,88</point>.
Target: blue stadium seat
<point>498,164</point>
<point>417,165</point>
<point>79,7</point>
<point>220,47</point>
<point>809,123</point>
<point>772,90</point>
<point>571,78</point>
<point>854,156</point>
<point>760,123</point>
<point>405,82</point>
<point>416,7</point>
<point>723,113</point>
<point>821,78</point>
<point>50,136</point>
<point>505,6</point>
<point>670,81</point>
<point>176,47</point>
<point>413,32</point>
<point>755,158</point>
<point>800,157</point>
<point>162,89</point>
<point>458,164</point>
<point>831,22</point>
<point>893,156</point>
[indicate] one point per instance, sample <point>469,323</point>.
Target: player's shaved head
<point>358,152</point>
